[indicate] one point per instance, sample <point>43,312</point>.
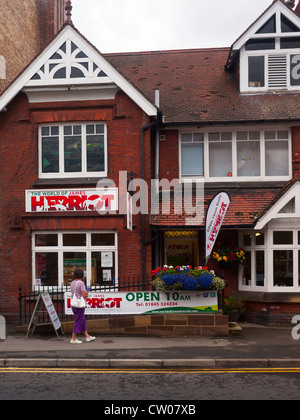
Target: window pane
<point>72,152</point>
<point>72,260</point>
<point>269,27</point>
<point>270,135</point>
<point>286,43</point>
<point>50,155</point>
<point>67,130</point>
<point>283,135</point>
<point>260,268</point>
<point>192,159</point>
<point>99,129</point>
<point>248,158</point>
<point>283,268</point>
<point>226,136</point>
<point>45,131</point>
<point>259,239</point>
<point>46,268</point>
<point>74,239</point>
<point>198,137</point>
<point>101,273</point>
<point>247,239</point>
<point>76,73</point>
<point>287,25</point>
<point>242,135</point>
<point>220,159</point>
<point>214,136</point>
<point>298,268</point>
<point>103,239</point>
<point>186,137</point>
<point>295,70</point>
<point>277,159</point>
<point>95,153</point>
<point>283,238</point>
<point>247,277</point>
<point>256,71</point>
<point>260,44</point>
<point>45,239</point>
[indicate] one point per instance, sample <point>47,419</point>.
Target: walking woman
<point>78,287</point>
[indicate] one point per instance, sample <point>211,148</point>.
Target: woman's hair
<point>78,273</point>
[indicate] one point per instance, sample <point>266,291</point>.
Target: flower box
<point>186,278</point>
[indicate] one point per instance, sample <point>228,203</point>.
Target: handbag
<point>77,303</point>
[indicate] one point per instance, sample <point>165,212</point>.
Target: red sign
<point>38,201</point>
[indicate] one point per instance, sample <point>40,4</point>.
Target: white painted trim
<point>278,8</point>
<point>61,94</point>
<point>273,213</point>
<point>112,74</point>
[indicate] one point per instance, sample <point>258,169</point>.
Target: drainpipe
<point>143,129</point>
<point>156,168</point>
<point>155,123</point>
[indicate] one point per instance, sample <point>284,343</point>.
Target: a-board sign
<point>43,302</point>
<point>51,311</point>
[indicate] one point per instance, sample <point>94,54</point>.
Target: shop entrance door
<point>181,248</point>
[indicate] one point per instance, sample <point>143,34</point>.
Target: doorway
<point>181,248</point>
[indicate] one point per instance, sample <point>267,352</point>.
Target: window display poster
<point>106,259</point>
<point>107,275</point>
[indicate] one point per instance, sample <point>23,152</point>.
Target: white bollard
<point>2,328</point>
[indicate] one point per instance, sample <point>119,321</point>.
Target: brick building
<point>226,119</point>
<point>26,27</point>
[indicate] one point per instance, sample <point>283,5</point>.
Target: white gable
<point>70,61</point>
<point>66,65</point>
<point>277,11</point>
<point>287,207</point>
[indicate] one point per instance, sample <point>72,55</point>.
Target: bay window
<point>272,260</point>
<point>72,150</point>
<point>55,255</point>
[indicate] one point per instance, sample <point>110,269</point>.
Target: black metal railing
<point>28,296</point>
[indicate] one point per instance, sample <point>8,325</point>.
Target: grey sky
<point>145,25</point>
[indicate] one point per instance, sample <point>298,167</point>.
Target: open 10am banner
<point>130,303</point>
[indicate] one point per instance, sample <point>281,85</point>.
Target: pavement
<point>257,347</point>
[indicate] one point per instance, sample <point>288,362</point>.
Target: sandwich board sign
<point>2,328</point>
<point>44,302</point>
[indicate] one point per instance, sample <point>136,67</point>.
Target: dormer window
<point>270,52</point>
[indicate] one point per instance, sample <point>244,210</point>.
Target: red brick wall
<point>52,17</point>
<point>168,153</point>
<point>19,35</point>
<point>296,140</point>
<point>19,164</point>
<point>26,27</point>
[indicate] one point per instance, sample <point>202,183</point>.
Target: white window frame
<point>253,248</point>
<point>269,249</point>
<point>84,173</point>
<point>245,88</point>
<point>60,249</point>
<point>235,177</point>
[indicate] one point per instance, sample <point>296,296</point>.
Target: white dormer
<point>270,52</point>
